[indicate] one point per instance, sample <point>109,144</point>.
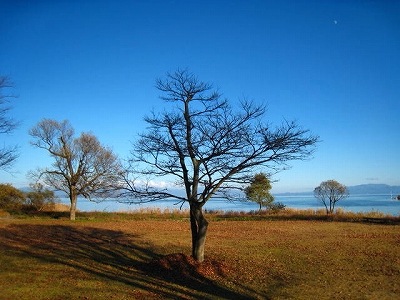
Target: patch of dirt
<point>182,265</point>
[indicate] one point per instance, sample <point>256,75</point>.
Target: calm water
<point>354,203</point>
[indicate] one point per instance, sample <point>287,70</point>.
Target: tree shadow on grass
<point>117,256</point>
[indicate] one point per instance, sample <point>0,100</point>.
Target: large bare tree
<point>81,167</point>
<point>8,154</point>
<point>208,147</point>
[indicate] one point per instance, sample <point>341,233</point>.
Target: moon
<point>335,22</point>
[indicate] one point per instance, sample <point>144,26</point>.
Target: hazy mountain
<point>374,189</point>
<point>362,189</point>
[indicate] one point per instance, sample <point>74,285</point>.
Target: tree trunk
<point>326,207</point>
<point>199,226</point>
<point>72,211</point>
<point>331,206</point>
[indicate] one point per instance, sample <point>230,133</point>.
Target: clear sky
<point>334,66</point>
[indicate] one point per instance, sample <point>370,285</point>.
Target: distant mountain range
<point>364,189</point>
<point>375,189</point>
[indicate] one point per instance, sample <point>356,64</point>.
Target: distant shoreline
<point>354,203</point>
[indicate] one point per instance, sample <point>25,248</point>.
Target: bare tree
<point>8,154</point>
<point>329,193</point>
<point>82,166</point>
<point>208,148</point>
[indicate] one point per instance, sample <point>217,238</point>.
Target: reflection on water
<point>354,203</point>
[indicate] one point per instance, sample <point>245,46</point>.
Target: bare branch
<point>329,193</point>
<point>209,147</point>
<point>82,166</point>
<point>8,154</point>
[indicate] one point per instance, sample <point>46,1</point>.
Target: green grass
<point>110,255</point>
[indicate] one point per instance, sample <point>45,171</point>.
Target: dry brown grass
<point>4,214</point>
<point>56,207</point>
<point>130,258</point>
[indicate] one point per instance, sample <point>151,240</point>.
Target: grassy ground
<point>126,256</point>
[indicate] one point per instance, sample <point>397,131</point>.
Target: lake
<point>354,203</point>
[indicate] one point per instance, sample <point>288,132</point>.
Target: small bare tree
<point>8,154</point>
<point>82,166</point>
<point>208,148</point>
<point>329,193</point>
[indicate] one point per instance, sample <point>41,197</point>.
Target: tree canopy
<point>259,190</point>
<point>81,167</point>
<point>208,146</point>
<point>329,193</point>
<point>11,198</point>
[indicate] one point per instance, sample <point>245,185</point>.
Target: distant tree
<point>209,148</point>
<point>329,193</point>
<point>82,166</point>
<point>39,197</point>
<point>11,198</point>
<point>258,191</point>
<point>8,154</point>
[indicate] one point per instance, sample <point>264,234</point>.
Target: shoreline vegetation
<point>144,254</point>
<point>61,211</point>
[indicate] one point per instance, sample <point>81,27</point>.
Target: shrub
<point>39,198</point>
<point>276,207</point>
<point>11,198</point>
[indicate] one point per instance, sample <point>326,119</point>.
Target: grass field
<point>146,256</point>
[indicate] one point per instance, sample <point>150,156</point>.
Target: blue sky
<point>334,66</point>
